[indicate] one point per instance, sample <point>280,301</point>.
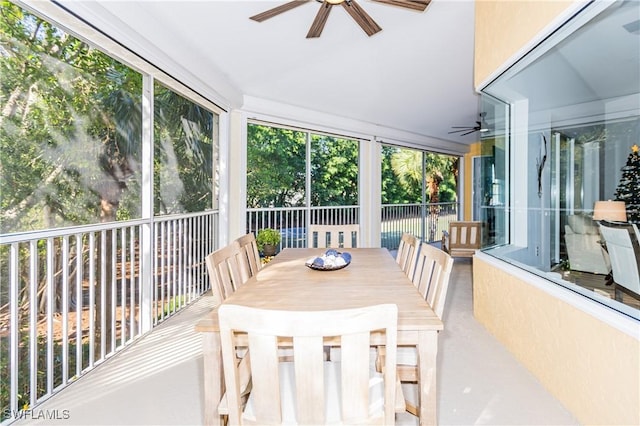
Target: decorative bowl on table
<point>331,260</point>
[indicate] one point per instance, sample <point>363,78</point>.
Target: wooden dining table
<point>372,277</point>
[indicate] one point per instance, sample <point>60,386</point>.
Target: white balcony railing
<point>70,298</point>
<point>427,221</point>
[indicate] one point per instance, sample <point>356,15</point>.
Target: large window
<point>278,173</point>
<point>566,130</point>
<point>183,155</point>
<point>296,177</point>
<point>84,267</point>
<point>418,193</point>
<point>70,136</point>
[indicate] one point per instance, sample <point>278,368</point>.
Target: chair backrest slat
<point>408,253</point>
<point>338,236</point>
<point>227,270</point>
<point>249,247</point>
<point>307,331</point>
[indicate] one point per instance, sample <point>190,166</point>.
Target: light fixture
<point>611,211</point>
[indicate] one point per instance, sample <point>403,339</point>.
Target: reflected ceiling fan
<point>481,126</point>
<point>357,13</point>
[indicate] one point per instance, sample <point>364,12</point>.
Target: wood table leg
<point>427,356</point>
<point>213,380</point>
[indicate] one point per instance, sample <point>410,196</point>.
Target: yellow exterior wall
<point>504,26</point>
<point>591,367</point>
<point>474,150</point>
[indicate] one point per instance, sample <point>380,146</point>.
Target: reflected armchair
<point>583,246</point>
<point>623,246</point>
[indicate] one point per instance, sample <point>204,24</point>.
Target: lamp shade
<point>612,211</point>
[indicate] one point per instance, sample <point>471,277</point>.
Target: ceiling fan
<point>357,13</point>
<point>480,126</point>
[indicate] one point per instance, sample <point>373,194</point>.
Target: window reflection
<point>184,154</point>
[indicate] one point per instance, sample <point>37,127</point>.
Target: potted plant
<point>267,241</point>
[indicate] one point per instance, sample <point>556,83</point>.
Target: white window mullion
<point>307,188</point>
<point>146,233</point>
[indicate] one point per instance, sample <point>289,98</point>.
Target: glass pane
<point>419,194</point>
<point>493,197</point>
<point>71,129</point>
<point>334,171</point>
<point>402,181</point>
<point>575,110</point>
<point>276,167</point>
<point>184,154</point>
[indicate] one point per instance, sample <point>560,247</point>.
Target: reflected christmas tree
<point>628,189</point>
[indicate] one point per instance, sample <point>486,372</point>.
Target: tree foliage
<point>276,167</point>
<point>334,171</point>
<point>69,131</point>
<point>403,177</point>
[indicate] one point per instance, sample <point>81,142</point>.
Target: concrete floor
<point>158,380</point>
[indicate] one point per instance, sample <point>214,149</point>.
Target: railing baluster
<point>14,326</point>
<point>114,288</point>
<point>163,261</point>
<point>79,302</point>
<point>65,309</point>
<point>132,283</point>
<point>123,289</point>
<point>33,319</point>
<point>103,294</point>
<point>92,298</point>
<point>50,294</point>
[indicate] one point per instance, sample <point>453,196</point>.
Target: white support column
<point>233,177</point>
<point>146,231</point>
<point>369,184</point>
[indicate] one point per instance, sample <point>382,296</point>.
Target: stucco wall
<point>503,27</point>
<point>591,367</point>
<point>474,150</point>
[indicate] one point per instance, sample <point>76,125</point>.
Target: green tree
<point>183,158</point>
<point>334,171</point>
<point>70,125</point>
<point>440,174</point>
<point>276,167</point>
<point>392,192</point>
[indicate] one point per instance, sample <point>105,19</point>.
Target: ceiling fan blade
<point>467,129</point>
<point>463,127</point>
<point>469,132</point>
<point>277,10</point>
<point>409,4</point>
<point>362,18</point>
<point>321,18</point>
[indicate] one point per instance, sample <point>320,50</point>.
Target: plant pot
<point>269,249</point>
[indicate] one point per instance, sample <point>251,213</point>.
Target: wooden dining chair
<point>463,238</point>
<point>308,390</point>
<point>431,278</point>
<point>433,270</point>
<point>249,247</point>
<point>334,236</point>
<point>227,270</point>
<point>408,253</point>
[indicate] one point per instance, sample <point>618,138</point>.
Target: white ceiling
<point>416,75</point>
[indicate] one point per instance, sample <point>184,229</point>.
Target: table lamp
<point>611,211</point>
